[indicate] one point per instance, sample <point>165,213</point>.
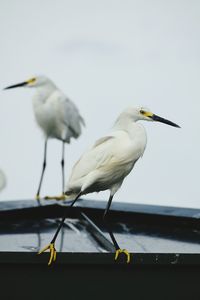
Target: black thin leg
<point>42,174</point>
<point>108,225</point>
<point>63,167</point>
<point>63,219</point>
<point>62,239</point>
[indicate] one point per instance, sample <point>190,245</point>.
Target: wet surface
<point>32,236</point>
<point>75,236</point>
<point>22,231</point>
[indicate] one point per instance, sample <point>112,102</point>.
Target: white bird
<point>107,163</point>
<point>2,180</point>
<point>57,116</point>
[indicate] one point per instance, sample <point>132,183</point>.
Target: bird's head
<point>36,81</point>
<point>142,113</point>
<point>147,115</point>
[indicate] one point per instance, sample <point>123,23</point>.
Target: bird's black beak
<point>16,85</point>
<point>162,120</point>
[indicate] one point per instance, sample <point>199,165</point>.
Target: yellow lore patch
<point>32,80</point>
<point>146,113</point>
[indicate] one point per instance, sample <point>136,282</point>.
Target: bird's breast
<point>130,145</point>
<point>46,118</point>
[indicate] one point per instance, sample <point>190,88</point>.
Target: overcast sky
<point>105,55</point>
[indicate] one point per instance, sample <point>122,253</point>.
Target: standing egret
<point>56,115</point>
<point>2,180</point>
<point>107,163</point>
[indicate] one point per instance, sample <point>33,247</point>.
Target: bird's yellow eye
<point>32,80</point>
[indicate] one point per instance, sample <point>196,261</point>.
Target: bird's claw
<point>119,251</point>
<point>58,198</point>
<point>52,249</point>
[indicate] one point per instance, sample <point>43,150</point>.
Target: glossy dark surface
<point>163,241</point>
<point>164,234</point>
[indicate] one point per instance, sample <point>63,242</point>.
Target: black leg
<point>62,239</point>
<point>63,219</point>
<point>117,248</point>
<point>42,174</point>
<point>108,225</point>
<point>63,167</point>
<point>51,246</point>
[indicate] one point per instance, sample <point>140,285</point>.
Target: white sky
<point>105,55</point>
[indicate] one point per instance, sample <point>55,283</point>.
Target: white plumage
<point>111,159</point>
<point>107,163</point>
<point>2,180</point>
<point>57,116</point>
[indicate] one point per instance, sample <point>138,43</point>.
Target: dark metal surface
<point>120,211</point>
<point>78,281</point>
<point>142,229</point>
<point>81,258</point>
<point>98,234</point>
<point>163,241</point>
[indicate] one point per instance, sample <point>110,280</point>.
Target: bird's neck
<point>45,91</point>
<point>124,122</point>
<point>129,125</point>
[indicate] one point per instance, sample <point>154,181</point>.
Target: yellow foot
<point>52,249</point>
<point>61,197</point>
<point>119,251</point>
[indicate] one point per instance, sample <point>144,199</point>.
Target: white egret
<point>2,180</point>
<point>107,163</point>
<point>56,115</point>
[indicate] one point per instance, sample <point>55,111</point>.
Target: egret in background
<point>2,180</point>
<point>57,116</point>
<point>107,163</point>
